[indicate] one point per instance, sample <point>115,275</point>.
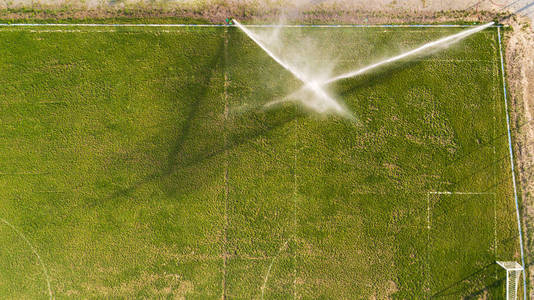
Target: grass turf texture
<point>130,161</point>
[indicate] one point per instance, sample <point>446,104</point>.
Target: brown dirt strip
<point>520,78</point>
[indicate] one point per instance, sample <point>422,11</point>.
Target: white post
<point>515,270</point>
<point>507,284</point>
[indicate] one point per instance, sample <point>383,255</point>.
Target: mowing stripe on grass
<point>45,272</point>
<point>513,169</point>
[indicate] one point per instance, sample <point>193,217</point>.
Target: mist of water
<point>443,42</point>
<point>313,94</point>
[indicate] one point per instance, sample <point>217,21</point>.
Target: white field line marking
<point>226,167</point>
<point>23,173</point>
<point>422,193</point>
<point>495,229</point>
<point>461,193</point>
<point>427,277</point>
<point>34,252</point>
<point>513,169</point>
<point>86,30</point>
<point>111,30</point>
<point>251,25</point>
<point>495,99</point>
<point>295,193</point>
<point>283,247</point>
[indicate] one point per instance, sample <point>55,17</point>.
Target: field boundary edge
<point>513,167</point>
<point>250,25</point>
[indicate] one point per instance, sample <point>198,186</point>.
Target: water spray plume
<point>313,95</point>
<point>253,37</point>
<point>443,41</point>
<point>320,101</point>
<point>440,42</point>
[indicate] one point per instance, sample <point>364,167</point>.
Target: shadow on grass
<point>376,77</point>
<point>198,98</point>
<point>259,123</point>
<point>269,121</point>
<point>487,272</point>
<point>488,189</point>
<point>459,287</point>
<point>509,241</point>
<point>491,278</point>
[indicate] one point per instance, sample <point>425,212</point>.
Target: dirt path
<point>355,11</point>
<point>520,77</point>
<point>324,11</point>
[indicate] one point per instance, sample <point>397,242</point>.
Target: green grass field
<point>130,167</point>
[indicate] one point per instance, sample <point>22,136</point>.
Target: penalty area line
<point>459,193</point>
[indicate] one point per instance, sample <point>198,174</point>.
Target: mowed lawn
<point>139,162</point>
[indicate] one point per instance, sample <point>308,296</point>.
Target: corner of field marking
<point>21,235</point>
